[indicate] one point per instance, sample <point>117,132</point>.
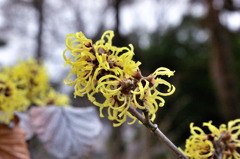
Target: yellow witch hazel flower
<point>101,68</point>
<point>222,141</point>
<point>11,99</point>
<point>32,77</point>
<point>229,137</point>
<point>23,85</point>
<point>198,145</point>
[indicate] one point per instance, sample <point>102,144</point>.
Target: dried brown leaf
<point>12,143</point>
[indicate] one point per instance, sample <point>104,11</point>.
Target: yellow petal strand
<point>195,130</point>
<point>212,128</point>
<point>163,71</point>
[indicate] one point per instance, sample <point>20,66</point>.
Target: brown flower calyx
<point>88,44</point>
<point>32,82</point>
<point>102,51</point>
<point>138,75</point>
<point>126,86</point>
<point>34,72</point>
<point>150,79</point>
<point>2,82</point>
<point>8,92</point>
<point>226,136</point>
<point>210,137</point>
<point>50,101</point>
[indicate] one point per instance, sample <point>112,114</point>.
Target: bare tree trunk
<point>118,40</point>
<point>38,4</point>
<point>221,64</point>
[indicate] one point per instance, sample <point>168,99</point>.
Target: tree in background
<point>222,61</point>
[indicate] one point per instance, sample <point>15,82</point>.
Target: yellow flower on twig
<point>223,141</point>
<point>101,68</point>
<point>198,145</point>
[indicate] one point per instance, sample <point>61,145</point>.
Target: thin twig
<point>156,131</point>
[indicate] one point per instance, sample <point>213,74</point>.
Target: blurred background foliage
<point>199,39</point>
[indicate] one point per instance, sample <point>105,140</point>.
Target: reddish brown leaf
<point>12,143</point>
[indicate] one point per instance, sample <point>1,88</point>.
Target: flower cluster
<point>111,79</point>
<point>223,141</point>
<point>11,99</point>
<point>23,85</point>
